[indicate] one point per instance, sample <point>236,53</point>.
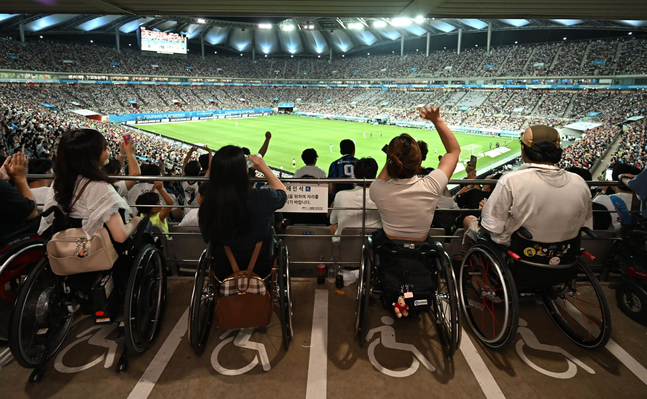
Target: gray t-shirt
<point>407,206</point>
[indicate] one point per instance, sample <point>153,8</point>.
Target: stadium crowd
<point>557,59</point>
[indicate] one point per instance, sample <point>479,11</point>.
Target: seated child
<point>158,215</point>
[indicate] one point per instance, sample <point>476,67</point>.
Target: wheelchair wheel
<point>445,307</point>
<point>632,300</point>
<point>40,319</point>
<point>363,294</point>
<point>488,297</point>
<point>580,310</point>
<point>285,296</point>
<point>145,299</point>
<point>203,302</point>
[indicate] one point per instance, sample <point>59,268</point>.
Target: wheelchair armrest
<point>524,233</point>
<point>589,233</point>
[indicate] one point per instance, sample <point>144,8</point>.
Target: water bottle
<point>331,271</point>
<point>321,271</point>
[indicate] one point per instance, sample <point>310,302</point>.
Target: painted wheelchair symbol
<point>529,338</point>
<point>97,339</point>
<point>387,338</point>
<point>241,340</point>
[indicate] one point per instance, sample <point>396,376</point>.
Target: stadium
<point>464,152</point>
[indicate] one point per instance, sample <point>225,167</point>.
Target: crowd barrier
<point>309,245</point>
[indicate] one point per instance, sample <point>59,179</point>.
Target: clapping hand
<point>17,168</point>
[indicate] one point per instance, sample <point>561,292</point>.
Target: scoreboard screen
<point>162,42</point>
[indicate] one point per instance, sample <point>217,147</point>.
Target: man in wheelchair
<point>527,242</point>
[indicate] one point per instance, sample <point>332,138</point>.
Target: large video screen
<point>162,42</point>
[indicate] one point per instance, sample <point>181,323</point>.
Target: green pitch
<point>293,134</point>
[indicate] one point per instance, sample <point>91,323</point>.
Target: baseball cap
<point>537,133</point>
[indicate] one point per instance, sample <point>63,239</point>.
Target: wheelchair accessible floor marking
<point>479,369</point>
<point>318,363</point>
<point>612,346</point>
<point>152,374</point>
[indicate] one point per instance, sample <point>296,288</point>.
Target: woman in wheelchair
<point>407,203</point>
<point>82,197</point>
<point>235,214</point>
<point>236,220</point>
<point>402,261</point>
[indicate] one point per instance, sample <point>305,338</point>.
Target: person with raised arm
<point>406,202</point>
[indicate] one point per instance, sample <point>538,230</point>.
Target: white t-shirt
<point>98,203</point>
<point>191,218</point>
<point>40,195</point>
<point>347,218</point>
<point>552,204</point>
<point>190,194</point>
<point>407,206</point>
<point>606,201</point>
<point>122,189</point>
<point>313,171</point>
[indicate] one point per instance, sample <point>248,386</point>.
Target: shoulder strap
<point>252,261</point>
<point>79,194</point>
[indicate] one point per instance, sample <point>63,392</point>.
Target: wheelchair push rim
<point>145,299</point>
<point>445,308</point>
<point>580,309</point>
<point>40,320</point>
<point>286,312</point>
<point>363,294</point>
<point>202,305</point>
<point>488,297</point>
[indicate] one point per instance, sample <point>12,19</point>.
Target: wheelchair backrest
<point>243,255</point>
<point>556,254</point>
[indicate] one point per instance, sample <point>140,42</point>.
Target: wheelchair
<point>493,277</point>
<point>132,293</point>
<point>418,270</point>
<point>17,256</point>
<point>214,267</point>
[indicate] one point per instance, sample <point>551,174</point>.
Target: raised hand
<point>259,163</point>
<point>430,113</point>
<point>268,135</point>
<point>18,166</point>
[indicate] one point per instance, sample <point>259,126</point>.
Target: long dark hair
<point>224,213</point>
<point>79,152</point>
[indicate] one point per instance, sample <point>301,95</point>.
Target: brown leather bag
<point>243,299</point>
<point>70,252</point>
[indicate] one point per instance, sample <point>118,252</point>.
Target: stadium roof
<point>586,9</point>
<point>298,35</point>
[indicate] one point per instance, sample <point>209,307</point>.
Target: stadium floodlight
<point>379,24</point>
<point>417,50</point>
<point>355,25</point>
<point>420,19</point>
<point>564,37</point>
<point>201,21</point>
<point>241,54</point>
<point>400,22</point>
<point>318,56</point>
<point>630,33</point>
<point>515,42</point>
<point>342,56</point>
<point>91,41</point>
<point>215,52</point>
<point>368,53</point>
<point>265,26</point>
<point>476,45</point>
<point>311,26</point>
<point>291,56</point>
<point>265,55</point>
<point>41,37</point>
<point>288,27</point>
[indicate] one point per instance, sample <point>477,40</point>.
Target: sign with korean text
<point>306,198</point>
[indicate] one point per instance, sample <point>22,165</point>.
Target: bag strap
<point>79,194</point>
<point>252,261</point>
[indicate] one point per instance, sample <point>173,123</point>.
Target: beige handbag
<point>70,252</point>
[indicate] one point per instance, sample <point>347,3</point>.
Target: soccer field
<point>293,134</point>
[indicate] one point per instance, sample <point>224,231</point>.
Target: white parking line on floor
<point>152,374</point>
<point>479,369</point>
<point>612,346</point>
<point>5,357</point>
<point>318,363</point>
